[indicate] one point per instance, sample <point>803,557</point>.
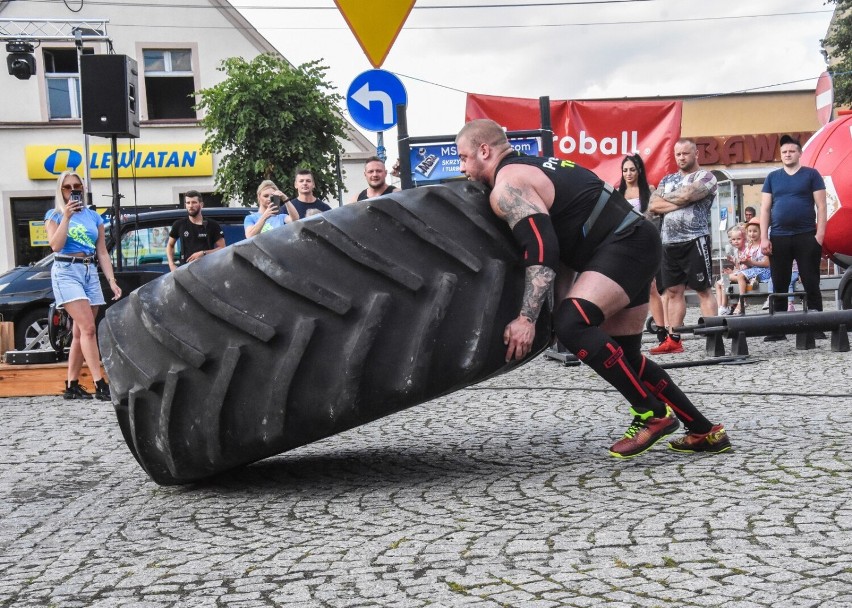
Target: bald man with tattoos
<point>567,221</point>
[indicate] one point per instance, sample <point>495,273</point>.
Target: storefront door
<point>27,220</point>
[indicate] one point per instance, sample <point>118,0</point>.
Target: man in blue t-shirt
<point>792,223</point>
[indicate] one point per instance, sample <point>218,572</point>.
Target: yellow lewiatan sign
<point>144,160</point>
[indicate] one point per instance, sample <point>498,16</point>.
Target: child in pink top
<point>734,253</point>
<point>755,265</point>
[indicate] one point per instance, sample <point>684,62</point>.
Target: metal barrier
<point>803,324</point>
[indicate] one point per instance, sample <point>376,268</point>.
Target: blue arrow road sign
<point>372,99</point>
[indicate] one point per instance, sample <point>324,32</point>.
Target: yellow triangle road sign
<point>375,23</point>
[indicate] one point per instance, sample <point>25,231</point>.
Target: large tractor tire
<point>314,328</point>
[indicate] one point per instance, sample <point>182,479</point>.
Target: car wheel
<point>314,328</point>
<point>30,327</point>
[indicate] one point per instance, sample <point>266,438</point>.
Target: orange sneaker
<point>642,434</point>
<point>714,441</point>
<point>669,346</point>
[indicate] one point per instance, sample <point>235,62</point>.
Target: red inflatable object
<point>829,151</point>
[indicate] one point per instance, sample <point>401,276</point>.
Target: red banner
<point>595,134</point>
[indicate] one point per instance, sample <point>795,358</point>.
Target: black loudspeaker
<point>109,86</point>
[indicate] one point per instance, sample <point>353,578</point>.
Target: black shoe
<point>102,390</point>
<point>74,391</point>
<point>820,335</point>
<point>774,338</point>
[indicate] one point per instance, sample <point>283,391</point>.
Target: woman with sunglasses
<point>76,235</point>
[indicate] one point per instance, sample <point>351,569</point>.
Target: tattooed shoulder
<point>512,203</point>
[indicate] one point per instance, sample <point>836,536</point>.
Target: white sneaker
<point>723,310</point>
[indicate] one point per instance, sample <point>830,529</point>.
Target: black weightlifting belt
<point>610,215</point>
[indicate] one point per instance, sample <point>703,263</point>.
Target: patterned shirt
<point>692,221</point>
<point>83,230</point>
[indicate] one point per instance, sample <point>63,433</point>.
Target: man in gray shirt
<point>684,200</point>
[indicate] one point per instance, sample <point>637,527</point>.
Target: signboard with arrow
<point>372,99</point>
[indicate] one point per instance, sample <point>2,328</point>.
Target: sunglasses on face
<point>72,187</point>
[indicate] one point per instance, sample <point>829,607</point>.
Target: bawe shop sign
<point>595,134</point>
<point>742,149</point>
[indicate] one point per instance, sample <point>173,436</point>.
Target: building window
<point>63,83</point>
<point>169,83</point>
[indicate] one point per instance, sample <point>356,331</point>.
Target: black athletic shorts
<point>688,264</point>
<point>631,259</point>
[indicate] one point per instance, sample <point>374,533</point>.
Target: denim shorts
<point>76,282</point>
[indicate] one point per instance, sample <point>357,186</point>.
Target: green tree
<point>268,118</point>
<point>838,45</point>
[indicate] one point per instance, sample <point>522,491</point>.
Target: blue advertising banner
<point>437,163</point>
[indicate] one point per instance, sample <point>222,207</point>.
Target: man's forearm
<point>821,213</point>
<point>661,206</point>
<point>688,194</point>
<point>539,281</point>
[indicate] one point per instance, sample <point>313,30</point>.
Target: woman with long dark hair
<point>634,183</point>
<point>76,235</point>
<point>635,188</point>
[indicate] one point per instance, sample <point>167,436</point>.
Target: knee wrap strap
<point>572,322</point>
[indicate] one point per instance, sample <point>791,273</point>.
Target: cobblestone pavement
<point>502,494</point>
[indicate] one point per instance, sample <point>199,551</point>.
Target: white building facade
<point>177,50</point>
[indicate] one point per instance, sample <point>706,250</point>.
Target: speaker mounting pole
<point>78,42</point>
<point>116,206</point>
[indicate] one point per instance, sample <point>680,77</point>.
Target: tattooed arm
<point>513,201</point>
<point>702,185</point>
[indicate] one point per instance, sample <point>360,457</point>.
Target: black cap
<point>788,139</point>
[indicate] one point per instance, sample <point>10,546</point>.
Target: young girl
<point>754,263</point>
<point>734,253</point>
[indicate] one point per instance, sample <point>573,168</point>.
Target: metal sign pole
<point>404,145</point>
<point>381,151</point>
<point>546,126</point>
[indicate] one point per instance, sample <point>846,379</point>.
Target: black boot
<point>102,390</point>
<point>73,390</point>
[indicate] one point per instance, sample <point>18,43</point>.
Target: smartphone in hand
<point>275,202</point>
<point>76,199</point>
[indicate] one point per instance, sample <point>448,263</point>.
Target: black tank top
<point>363,195</point>
<point>576,192</point>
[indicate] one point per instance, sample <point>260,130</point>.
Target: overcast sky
<point>567,50</point>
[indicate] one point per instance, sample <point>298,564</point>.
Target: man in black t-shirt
<point>568,222</point>
<point>305,203</point>
<point>198,236</point>
<point>375,173</point>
